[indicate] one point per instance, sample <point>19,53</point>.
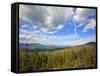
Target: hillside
<point>83,56</point>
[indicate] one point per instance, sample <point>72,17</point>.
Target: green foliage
<point>76,57</point>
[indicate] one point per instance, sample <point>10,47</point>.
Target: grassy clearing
<point>76,57</point>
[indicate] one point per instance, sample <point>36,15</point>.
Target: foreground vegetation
<point>76,57</point>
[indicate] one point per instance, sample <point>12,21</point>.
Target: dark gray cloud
<point>83,13</point>
<point>48,19</point>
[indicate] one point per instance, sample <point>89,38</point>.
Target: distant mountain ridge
<point>91,43</point>
<point>40,47</point>
<point>37,46</point>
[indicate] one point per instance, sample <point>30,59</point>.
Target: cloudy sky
<point>56,25</point>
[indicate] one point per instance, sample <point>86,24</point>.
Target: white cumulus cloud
<point>90,25</point>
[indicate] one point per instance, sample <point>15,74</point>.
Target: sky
<point>52,25</point>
